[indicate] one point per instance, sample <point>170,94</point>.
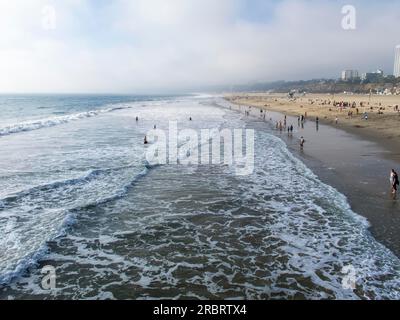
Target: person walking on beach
<point>290,131</point>
<point>394,181</point>
<point>302,142</point>
<point>391,177</point>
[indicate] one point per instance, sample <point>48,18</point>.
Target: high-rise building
<point>397,62</point>
<point>348,75</point>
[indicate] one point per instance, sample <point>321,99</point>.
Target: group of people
<point>350,113</point>
<point>344,104</point>
<point>290,129</point>
<point>279,126</point>
<point>301,119</point>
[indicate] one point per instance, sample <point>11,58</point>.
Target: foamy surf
<point>54,121</point>
<point>24,252</point>
<point>197,231</point>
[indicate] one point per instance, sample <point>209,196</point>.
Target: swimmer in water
<point>145,140</point>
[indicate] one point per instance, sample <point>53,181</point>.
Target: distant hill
<point>385,85</point>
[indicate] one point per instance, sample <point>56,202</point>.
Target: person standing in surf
<point>391,177</point>
<point>302,142</point>
<point>394,180</point>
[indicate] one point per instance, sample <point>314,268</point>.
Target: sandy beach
<point>355,155</point>
<point>382,125</point>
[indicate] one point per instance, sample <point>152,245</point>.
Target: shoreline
<point>354,164</point>
<point>383,129</point>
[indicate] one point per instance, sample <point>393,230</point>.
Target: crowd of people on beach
<point>353,108</point>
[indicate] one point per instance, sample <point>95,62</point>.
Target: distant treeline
<point>388,84</point>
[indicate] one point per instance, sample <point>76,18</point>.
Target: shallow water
<point>77,195</point>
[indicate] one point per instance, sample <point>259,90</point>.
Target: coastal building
<point>373,76</point>
<point>348,75</point>
<point>396,72</point>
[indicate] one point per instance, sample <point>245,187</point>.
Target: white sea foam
<point>206,233</point>
<point>55,121</point>
<point>27,226</point>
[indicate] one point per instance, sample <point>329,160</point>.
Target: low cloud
<point>142,46</point>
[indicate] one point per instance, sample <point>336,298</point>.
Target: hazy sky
<point>139,46</point>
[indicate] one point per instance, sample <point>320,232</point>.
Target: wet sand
<point>382,126</point>
<point>355,165</point>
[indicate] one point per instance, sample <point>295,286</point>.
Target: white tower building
<point>397,62</point>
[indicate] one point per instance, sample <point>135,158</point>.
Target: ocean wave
<point>54,121</point>
<point>90,175</point>
<point>31,259</point>
<point>70,216</point>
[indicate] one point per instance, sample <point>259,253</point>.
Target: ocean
<point>78,195</point>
